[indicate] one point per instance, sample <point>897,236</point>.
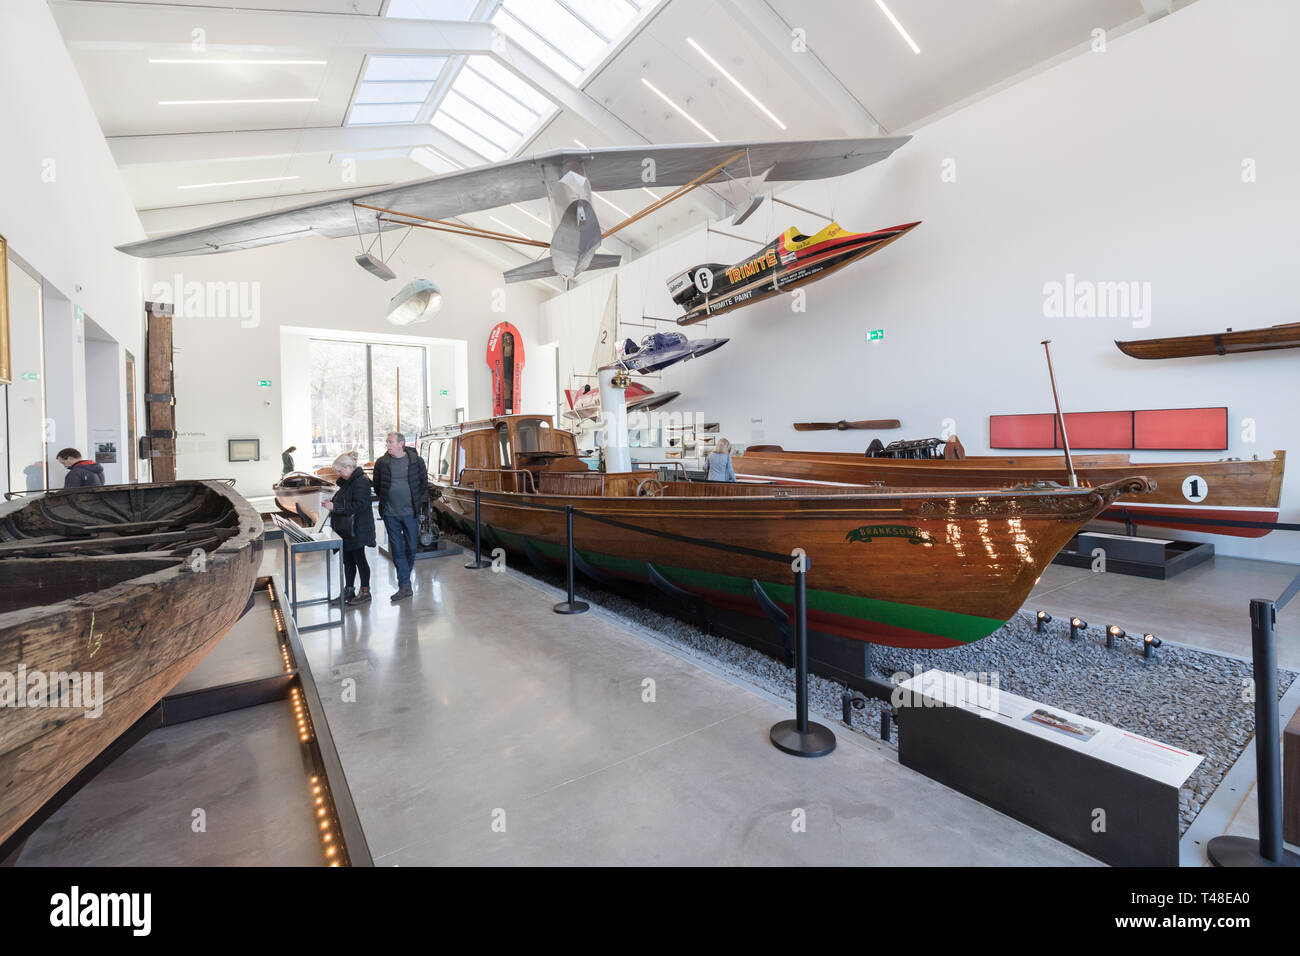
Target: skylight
<point>487,107</point>
<point>394,89</point>
<point>491,110</point>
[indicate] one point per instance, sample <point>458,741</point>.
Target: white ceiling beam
<point>163,29</point>
<point>263,143</point>
<point>771,32</point>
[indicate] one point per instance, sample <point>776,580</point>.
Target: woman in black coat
<point>352,514</point>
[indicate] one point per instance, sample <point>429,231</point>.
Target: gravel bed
<point>1188,697</point>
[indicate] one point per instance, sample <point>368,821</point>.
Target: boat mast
<point>1065,441</point>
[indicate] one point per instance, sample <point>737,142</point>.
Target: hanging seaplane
<point>567,178</point>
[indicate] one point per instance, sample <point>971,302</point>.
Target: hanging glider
<point>567,178</point>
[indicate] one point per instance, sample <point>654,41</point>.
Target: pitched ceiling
<point>595,72</point>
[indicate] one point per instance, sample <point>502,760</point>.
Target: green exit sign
<point>263,383</point>
<point>442,391</point>
<point>31,376</point>
<point>875,335</point>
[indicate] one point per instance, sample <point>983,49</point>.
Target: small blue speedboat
<point>662,349</point>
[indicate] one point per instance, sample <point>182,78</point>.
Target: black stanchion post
<point>570,606</point>
<point>1268,849</point>
<point>798,736</point>
<point>478,561</point>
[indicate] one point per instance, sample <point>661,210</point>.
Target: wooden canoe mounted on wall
<point>1215,343</point>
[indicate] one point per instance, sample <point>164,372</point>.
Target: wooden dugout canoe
<point>1215,343</point>
<point>1229,489</point>
<point>921,568</point>
<point>104,581</point>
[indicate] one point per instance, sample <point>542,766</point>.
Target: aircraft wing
<point>519,180</point>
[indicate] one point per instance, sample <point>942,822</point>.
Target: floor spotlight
<point>1149,644</point>
<point>1077,624</point>
<point>1043,620</point>
<point>1114,633</point>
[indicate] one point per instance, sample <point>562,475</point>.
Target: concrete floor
<point>476,726</point>
<point>476,705</point>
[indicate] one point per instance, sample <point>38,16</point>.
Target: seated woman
<point>354,522</point>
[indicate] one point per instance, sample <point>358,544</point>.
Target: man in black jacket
<point>401,482</point>
<point>82,473</point>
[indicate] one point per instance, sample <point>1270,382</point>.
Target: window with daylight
<point>360,391</point>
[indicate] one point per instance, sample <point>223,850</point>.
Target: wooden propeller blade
<point>844,426</point>
<point>675,194</point>
<point>443,225</point>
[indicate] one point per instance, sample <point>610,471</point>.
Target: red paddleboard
<point>505,356</point>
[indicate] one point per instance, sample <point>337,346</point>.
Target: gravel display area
<point>1184,696</point>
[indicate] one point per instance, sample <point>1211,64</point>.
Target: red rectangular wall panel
<point>1098,430</point>
<point>1158,429</point>
<point>1190,429</point>
<point>1021,431</point>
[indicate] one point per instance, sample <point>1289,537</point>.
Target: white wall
<point>105,411</point>
<point>1122,165</point>
<point>63,206</point>
<point>313,283</point>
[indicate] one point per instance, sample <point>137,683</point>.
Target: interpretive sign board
<point>1109,792</point>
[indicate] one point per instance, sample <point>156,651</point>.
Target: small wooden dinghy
<point>108,597</point>
<point>297,490</point>
<point>1215,343</point>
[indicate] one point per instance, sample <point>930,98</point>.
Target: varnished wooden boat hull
<point>301,490</point>
<point>142,621</point>
<point>1215,343</point>
<point>1233,490</point>
<point>920,569</point>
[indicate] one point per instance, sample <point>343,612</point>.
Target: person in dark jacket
<point>401,482</point>
<point>352,501</point>
<point>82,473</point>
<point>286,460</point>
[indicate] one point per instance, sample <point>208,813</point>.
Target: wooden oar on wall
<point>842,425</point>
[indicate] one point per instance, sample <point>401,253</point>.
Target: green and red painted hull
<point>922,569</point>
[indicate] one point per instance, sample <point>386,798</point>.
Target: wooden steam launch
<point>1230,489</point>
<point>135,583</point>
<point>908,568</point>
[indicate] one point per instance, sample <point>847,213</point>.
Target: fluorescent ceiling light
<point>507,225</point>
<point>688,116</point>
<point>240,182</point>
<point>530,215</point>
<point>243,62</point>
<point>897,26</point>
<point>646,189</point>
<point>294,99</point>
<point>735,82</point>
<point>581,144</point>
<point>626,215</point>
